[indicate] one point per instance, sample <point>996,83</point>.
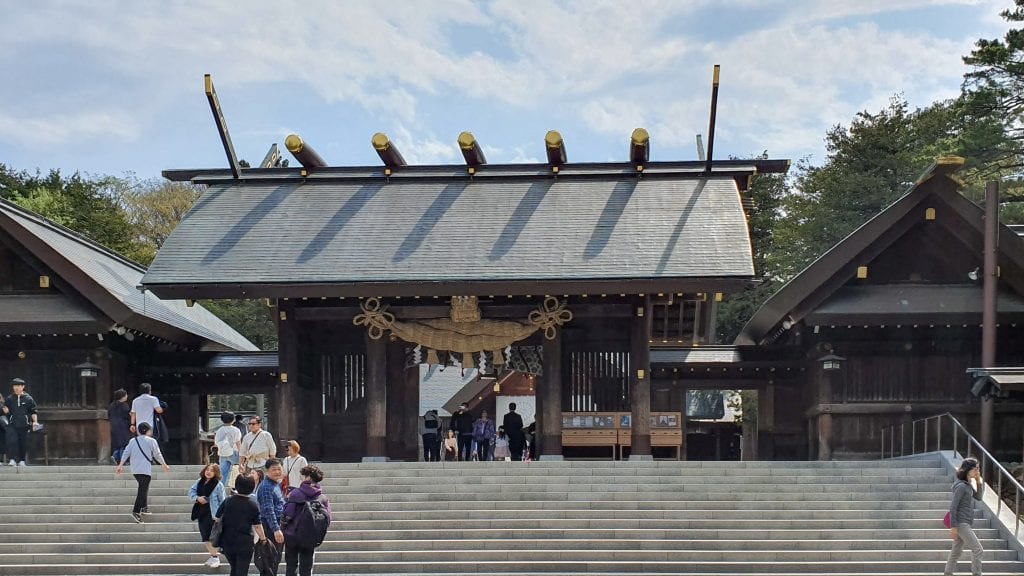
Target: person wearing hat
<point>228,441</point>
<point>20,410</point>
<point>141,454</point>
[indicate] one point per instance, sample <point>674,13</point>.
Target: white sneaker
<point>213,562</point>
<point>12,463</point>
<point>21,464</point>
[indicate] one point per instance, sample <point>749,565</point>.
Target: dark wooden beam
<point>498,311</point>
<point>690,168</point>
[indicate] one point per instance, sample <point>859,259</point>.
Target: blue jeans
<point>225,468</point>
<point>117,454</point>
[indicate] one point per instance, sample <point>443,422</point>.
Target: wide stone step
<point>188,544</point>
<point>104,514</point>
<point>606,568</point>
<point>181,522</point>
<point>179,504</point>
<point>457,556</point>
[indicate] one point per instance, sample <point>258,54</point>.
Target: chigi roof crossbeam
<point>315,167</point>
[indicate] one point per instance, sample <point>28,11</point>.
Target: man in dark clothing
<point>513,425</point>
<point>462,423</point>
<point>120,416</point>
<point>20,410</point>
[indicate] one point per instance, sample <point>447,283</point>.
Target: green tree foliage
<point>251,318</point>
<point>766,194</point>
<point>994,90</point>
<point>87,205</point>
<point>154,208</point>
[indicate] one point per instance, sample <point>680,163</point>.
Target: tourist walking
<point>239,517</point>
<point>145,407</point>
<point>968,487</point>
<point>501,449</point>
<point>483,434</point>
<point>462,423</point>
<point>142,452</point>
<point>271,501</point>
<point>120,416</point>
<point>451,447</point>
<point>293,465</point>
<point>20,410</point>
<point>257,446</point>
<point>430,431</point>
<point>305,525</point>
<point>207,496</point>
<point>228,441</point>
<point>513,425</point>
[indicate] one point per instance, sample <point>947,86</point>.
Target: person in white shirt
<point>145,407</point>
<point>293,465</point>
<point>142,452</point>
<point>228,441</point>
<point>258,446</point>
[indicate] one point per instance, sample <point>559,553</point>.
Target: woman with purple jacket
<point>299,554</point>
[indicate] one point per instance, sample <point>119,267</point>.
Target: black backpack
<point>309,528</point>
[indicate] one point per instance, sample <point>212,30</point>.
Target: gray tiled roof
<point>451,230</point>
<point>44,309</point>
<point>121,278</point>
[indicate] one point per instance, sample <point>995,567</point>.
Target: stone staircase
<point>504,518</point>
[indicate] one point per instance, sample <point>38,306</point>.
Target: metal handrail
<point>971,443</point>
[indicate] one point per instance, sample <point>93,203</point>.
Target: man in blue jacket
<point>271,501</point>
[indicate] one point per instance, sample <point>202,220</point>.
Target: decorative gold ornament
<point>465,309</point>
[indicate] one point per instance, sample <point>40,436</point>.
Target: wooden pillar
<point>824,418</point>
<point>682,428</point>
<point>376,399</point>
<point>766,422</point>
<point>549,400</point>
<point>403,405</point>
<point>191,451</point>
<point>640,364</point>
<point>287,398</point>
<point>103,399</point>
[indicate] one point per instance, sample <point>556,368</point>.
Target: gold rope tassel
<point>432,358</point>
<point>467,360</point>
<point>499,357</point>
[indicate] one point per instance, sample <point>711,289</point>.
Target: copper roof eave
<point>448,287</point>
<point>693,169</point>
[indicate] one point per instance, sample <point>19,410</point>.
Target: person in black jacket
<point>120,415</point>
<point>20,410</point>
<point>462,423</point>
<point>513,425</point>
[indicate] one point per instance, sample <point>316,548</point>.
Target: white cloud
<point>54,130</point>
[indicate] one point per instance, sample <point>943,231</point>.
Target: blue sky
<point>113,87</point>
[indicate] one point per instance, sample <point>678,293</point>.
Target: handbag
<point>215,533</point>
<point>947,521</point>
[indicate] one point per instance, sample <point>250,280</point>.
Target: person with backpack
<point>307,517</point>
<point>142,452</point>
<point>483,434</point>
<point>430,431</point>
<point>228,441</point>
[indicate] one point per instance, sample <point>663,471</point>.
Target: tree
<point>994,90</point>
<point>251,318</point>
<point>154,208</point>
<point>87,205</point>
